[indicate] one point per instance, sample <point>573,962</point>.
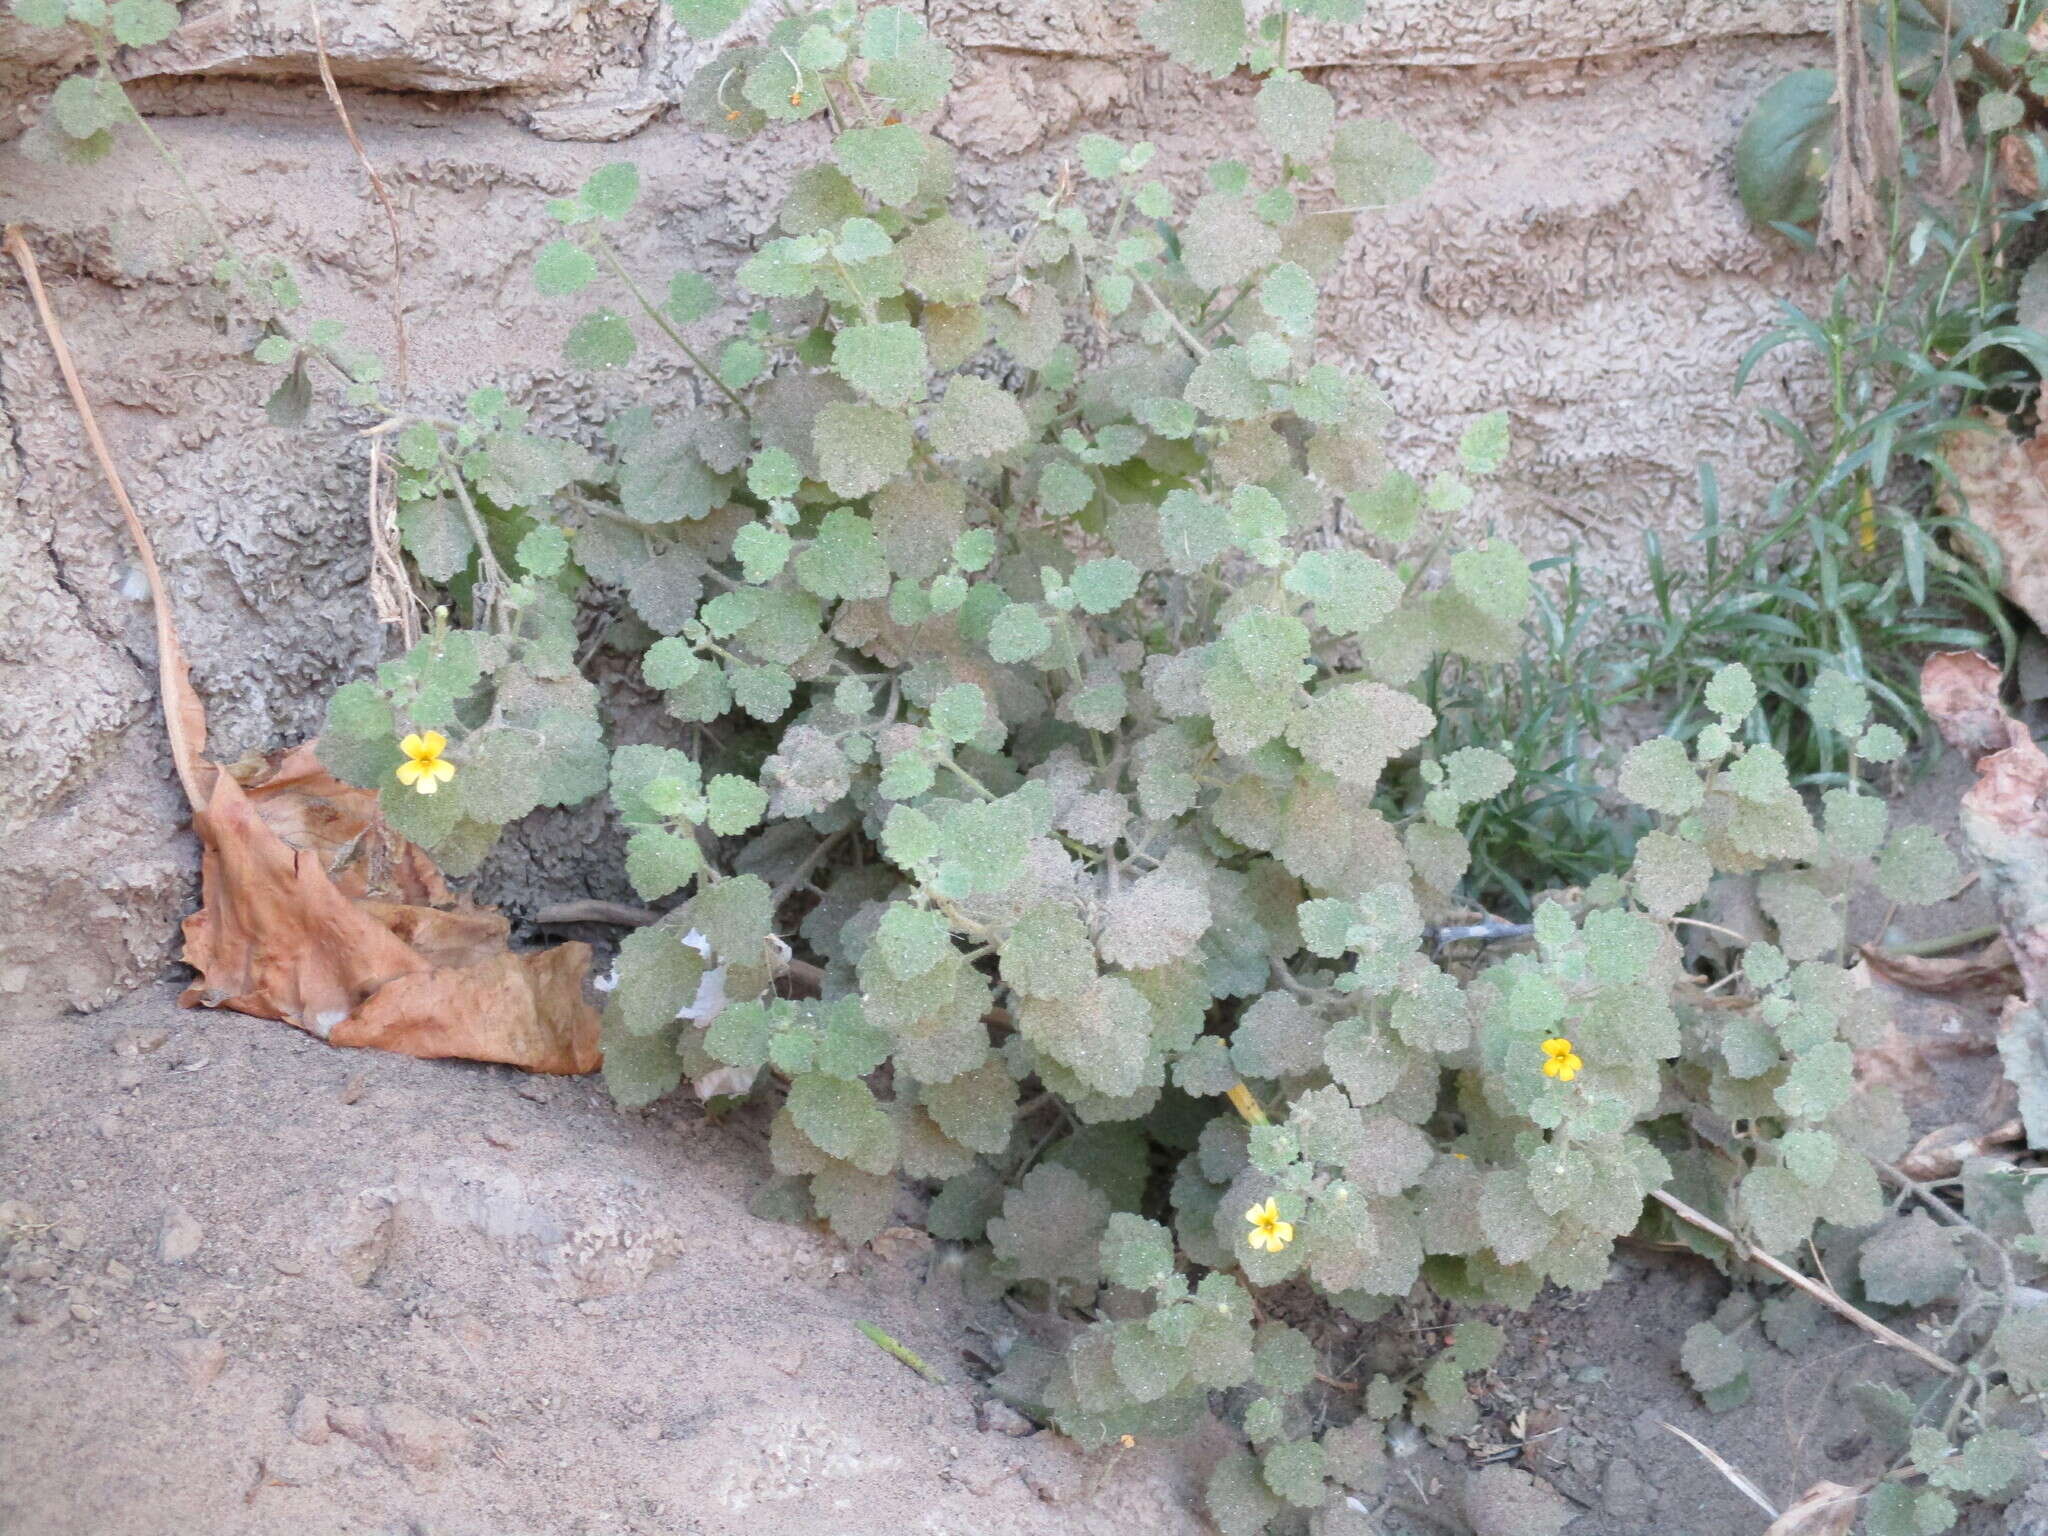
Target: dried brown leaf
<point>1899,1061</point>
<point>2002,491</point>
<point>314,912</point>
<point>2005,822</point>
<point>1941,1153</point>
<point>1988,969</point>
<point>1951,154</point>
<point>1866,144</point>
<point>2016,167</point>
<point>1960,692</point>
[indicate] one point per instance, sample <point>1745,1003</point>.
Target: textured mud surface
<point>257,1285</point>
<point>251,1285</point>
<point>1581,261</point>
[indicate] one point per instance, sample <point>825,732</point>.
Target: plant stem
<point>661,322</point>
<point>171,160</point>
<point>1825,1295</point>
<point>802,872</point>
<point>1241,1100</point>
<point>1947,944</point>
<point>1195,344</point>
<point>491,578</point>
<point>969,779</point>
<point>377,187</point>
<point>1948,1215</point>
<point>883,1342</point>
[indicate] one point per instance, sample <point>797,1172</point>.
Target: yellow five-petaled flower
<point>1268,1230</point>
<point>424,768</point>
<point>1560,1060</point>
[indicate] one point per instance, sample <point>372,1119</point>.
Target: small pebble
<point>999,1418</point>
<point>309,1420</point>
<point>179,1236</point>
<point>200,1359</point>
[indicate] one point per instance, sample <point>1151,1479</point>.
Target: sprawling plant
<point>1036,618</point>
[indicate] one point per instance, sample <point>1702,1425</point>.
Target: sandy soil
<point>258,1285</point>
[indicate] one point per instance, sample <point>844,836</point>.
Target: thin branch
<point>1195,343</point>
<point>1726,933</point>
<point>1948,1215</point>
<point>1825,1295</point>
<point>376,186</point>
<point>491,575</point>
<point>802,872</point>
<point>616,914</point>
<point>661,322</point>
<point>184,715</point>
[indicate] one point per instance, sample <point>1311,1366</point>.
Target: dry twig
<point>184,715</point>
<point>1727,1469</point>
<point>391,593</point>
<point>376,185</point>
<point>1825,1295</point>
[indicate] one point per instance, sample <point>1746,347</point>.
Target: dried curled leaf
<point>374,952</point>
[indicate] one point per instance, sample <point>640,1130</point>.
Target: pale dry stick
<point>491,581</point>
<point>376,186</point>
<point>184,715</point>
<point>390,592</point>
<point>1726,933</point>
<point>1825,1295</point>
<point>1195,344</point>
<point>618,914</point>
<point>1727,1469</point>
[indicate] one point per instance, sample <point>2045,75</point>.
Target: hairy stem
<point>662,323</point>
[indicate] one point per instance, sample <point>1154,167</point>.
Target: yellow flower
<point>1268,1230</point>
<point>1560,1060</point>
<point>424,768</point>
